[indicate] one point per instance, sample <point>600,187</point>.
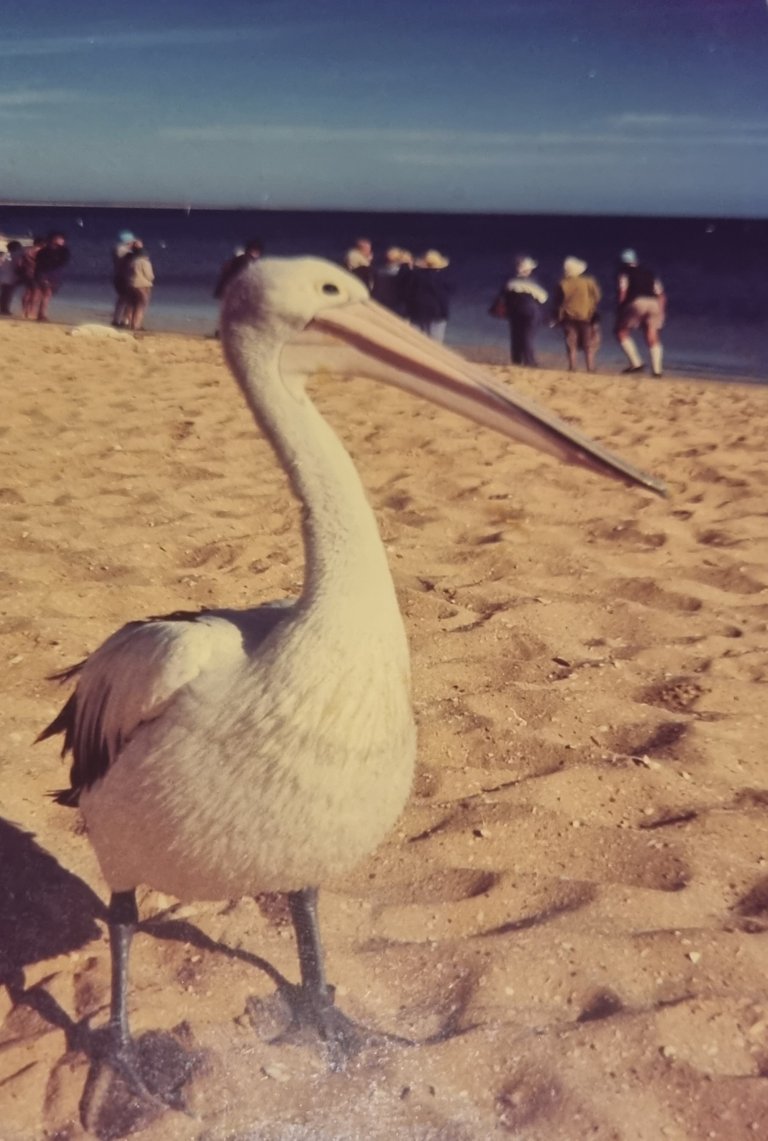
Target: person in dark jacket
<point>427,296</point>
<point>123,246</point>
<point>390,281</point>
<point>359,261</point>
<point>243,257</point>
<point>525,301</point>
<point>641,305</point>
<point>251,252</point>
<point>50,261</point>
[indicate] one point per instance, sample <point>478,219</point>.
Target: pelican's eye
<point>329,287</point>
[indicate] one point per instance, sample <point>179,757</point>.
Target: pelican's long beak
<point>379,345</point>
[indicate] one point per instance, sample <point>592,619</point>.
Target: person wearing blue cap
<point>120,250</point>
<point>641,305</point>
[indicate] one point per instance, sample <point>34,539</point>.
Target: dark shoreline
<point>489,355</point>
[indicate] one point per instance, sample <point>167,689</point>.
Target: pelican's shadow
<point>47,912</point>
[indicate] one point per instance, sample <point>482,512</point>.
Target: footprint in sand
<point>713,537</point>
<point>627,535</point>
<point>529,1098</point>
<point>679,694</point>
<point>731,579</point>
<point>649,593</point>
<point>221,555</point>
<point>754,904</point>
<point>449,885</point>
<point>602,1003</point>
<point>639,740</point>
<point>11,495</point>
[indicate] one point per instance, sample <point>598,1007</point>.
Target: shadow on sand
<point>48,911</point>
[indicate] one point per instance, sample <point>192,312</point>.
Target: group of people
<point>640,304</point>
<point>417,289</point>
<point>36,269</point>
<point>133,278</point>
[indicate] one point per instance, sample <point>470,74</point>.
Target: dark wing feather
<point>134,676</point>
<point>130,679</point>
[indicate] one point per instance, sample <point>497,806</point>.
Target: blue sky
<point>606,106</point>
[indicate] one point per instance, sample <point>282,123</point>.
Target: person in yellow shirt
<point>576,299</point>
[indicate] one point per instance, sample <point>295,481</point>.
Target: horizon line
<point>265,208</point>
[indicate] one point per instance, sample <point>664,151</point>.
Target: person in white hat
<point>359,261</point>
<point>576,299</point>
<point>428,294</point>
<point>641,305</point>
<point>525,300</point>
<point>390,282</point>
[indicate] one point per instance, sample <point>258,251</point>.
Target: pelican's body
<point>271,749</point>
<point>277,760</point>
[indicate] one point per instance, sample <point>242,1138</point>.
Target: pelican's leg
<point>122,916</point>
<point>116,1082</point>
<point>313,1002</point>
<point>119,1049</point>
<point>314,985</point>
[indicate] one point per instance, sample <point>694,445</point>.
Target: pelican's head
<point>282,296</point>
<point>308,316</point>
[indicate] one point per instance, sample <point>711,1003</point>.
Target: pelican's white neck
<point>346,565</point>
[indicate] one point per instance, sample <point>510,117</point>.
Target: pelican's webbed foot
<point>311,1005</point>
<point>131,1081</point>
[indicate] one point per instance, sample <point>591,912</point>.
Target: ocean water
<point>715,270</point>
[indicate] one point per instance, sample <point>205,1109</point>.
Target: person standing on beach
<point>240,260</point>
<point>576,299</point>
<point>391,279</point>
<point>10,260</point>
<point>50,263</point>
<point>525,300</point>
<point>359,261</point>
<point>27,277</point>
<point>120,250</point>
<point>428,294</point>
<point>641,304</point>
<point>139,279</point>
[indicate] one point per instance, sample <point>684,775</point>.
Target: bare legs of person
<point>30,302</point>
<point>121,315</point>
<point>44,294</point>
<point>655,350</point>
<point>139,302</point>
<point>584,335</point>
<point>629,348</point>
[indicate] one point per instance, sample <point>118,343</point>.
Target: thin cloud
<point>25,97</point>
<point>302,133</point>
<point>474,142</point>
<point>372,135</point>
<point>161,37</point>
<point>685,122</point>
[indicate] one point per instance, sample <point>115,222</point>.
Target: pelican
<point>227,752</point>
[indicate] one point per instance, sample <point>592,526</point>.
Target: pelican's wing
<point>131,679</point>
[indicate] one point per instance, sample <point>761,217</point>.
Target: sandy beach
<point>571,919</point>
